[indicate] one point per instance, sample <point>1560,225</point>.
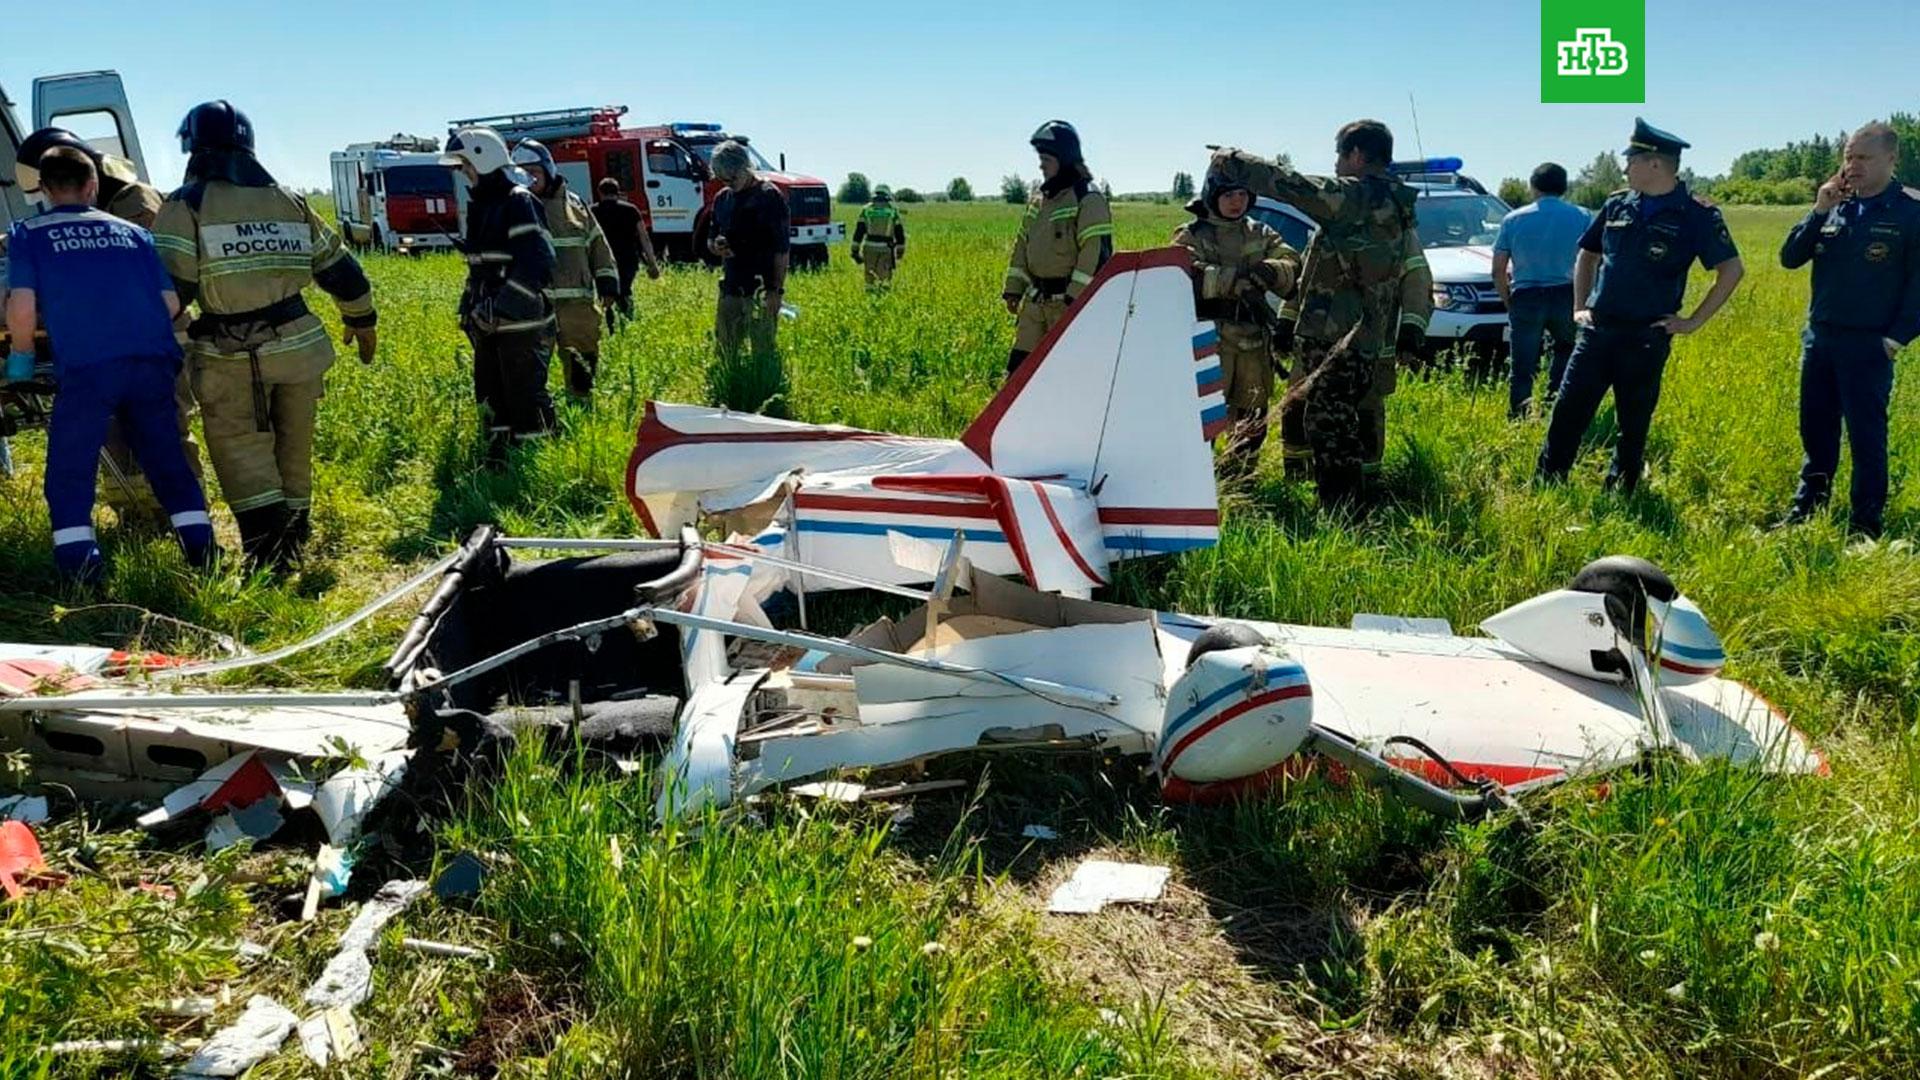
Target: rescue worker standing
<point>1237,262</point>
<point>242,248</point>
<point>109,309</point>
<point>1364,297</point>
<point>1065,238</point>
<point>123,195</point>
<point>504,308</point>
<point>750,234</point>
<point>879,238</point>
<point>1628,283</point>
<point>626,231</point>
<point>1863,238</point>
<point>583,267</point>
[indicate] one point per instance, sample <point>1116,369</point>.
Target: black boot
<point>499,441</point>
<point>1342,488</point>
<point>262,530</point>
<point>294,535</point>
<point>581,369</point>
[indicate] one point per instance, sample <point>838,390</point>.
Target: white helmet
<point>483,148</point>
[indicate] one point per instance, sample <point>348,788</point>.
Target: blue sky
<point>916,94</point>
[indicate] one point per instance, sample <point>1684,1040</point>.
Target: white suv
<point>1457,221</point>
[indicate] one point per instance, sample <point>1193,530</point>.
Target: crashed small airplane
<point>1098,449</point>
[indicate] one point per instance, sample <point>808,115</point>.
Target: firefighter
<point>1357,302</point>
<point>242,248</point>
<point>1237,262</point>
<point>108,308</point>
<point>751,237</point>
<point>879,238</point>
<point>126,197</point>
<point>583,266</point>
<point>504,308</point>
<point>1065,239</point>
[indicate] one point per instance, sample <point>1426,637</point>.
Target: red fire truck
<point>664,169</point>
<point>395,195</point>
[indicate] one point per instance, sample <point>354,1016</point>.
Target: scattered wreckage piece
<point>252,1038</point>
<point>1098,882</point>
<point>348,977</point>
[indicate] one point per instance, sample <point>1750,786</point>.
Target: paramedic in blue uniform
<point>1863,238</point>
<point>97,284</point>
<point>1628,284</point>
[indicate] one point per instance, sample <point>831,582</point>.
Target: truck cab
<point>396,196</point>
<point>92,104</point>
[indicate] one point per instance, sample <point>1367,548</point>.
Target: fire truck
<point>665,170</point>
<point>396,196</point>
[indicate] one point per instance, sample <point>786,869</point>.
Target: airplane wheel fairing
<point>1236,714</point>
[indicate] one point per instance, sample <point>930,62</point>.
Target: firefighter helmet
<point>1057,138</point>
<point>216,125</point>
<point>883,193</point>
<point>533,152</point>
<point>26,163</point>
<point>480,147</point>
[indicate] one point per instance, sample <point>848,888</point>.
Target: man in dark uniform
<point>1863,238</point>
<point>626,230</point>
<point>504,308</point>
<point>750,234</point>
<point>1628,283</point>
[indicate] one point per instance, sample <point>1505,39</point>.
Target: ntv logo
<point>1592,52</point>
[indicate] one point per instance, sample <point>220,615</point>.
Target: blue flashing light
<point>1430,165</point>
<point>694,127</point>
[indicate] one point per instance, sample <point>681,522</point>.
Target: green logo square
<point>1593,51</point>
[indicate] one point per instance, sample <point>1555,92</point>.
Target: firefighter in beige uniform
<point>1238,262</point>
<point>1065,238</point>
<point>584,266</point>
<point>243,248</point>
<point>123,195</point>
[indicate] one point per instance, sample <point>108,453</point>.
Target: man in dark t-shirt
<point>626,231</point>
<point>750,235</point>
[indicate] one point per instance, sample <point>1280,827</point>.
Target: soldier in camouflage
<point>1239,265</point>
<point>1364,297</point>
<point>1065,238</point>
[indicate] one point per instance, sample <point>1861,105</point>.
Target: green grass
<point>1691,922</point>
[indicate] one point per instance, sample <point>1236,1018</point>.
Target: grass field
<point>1690,922</point>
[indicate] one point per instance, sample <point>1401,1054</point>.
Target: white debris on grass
<point>348,976</point>
<point>1099,882</point>
<point>832,790</point>
<point>246,1042</point>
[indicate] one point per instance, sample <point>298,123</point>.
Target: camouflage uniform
<point>583,268</point>
<point>879,240</point>
<point>1357,289</point>
<point>1066,236</point>
<point>1236,263</point>
<point>258,357</point>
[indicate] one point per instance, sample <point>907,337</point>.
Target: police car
<point>1457,220</point>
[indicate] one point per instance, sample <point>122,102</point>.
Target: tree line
<point>1779,176</point>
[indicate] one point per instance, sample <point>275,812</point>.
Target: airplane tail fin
<point>1123,396</point>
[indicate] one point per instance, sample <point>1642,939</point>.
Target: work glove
<point>1012,300</point>
<point>607,288</point>
<point>1411,339</point>
<point>366,337</point>
<point>854,253</point>
<point>1283,337</point>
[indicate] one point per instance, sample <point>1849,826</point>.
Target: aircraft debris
<point>1040,832</point>
<point>26,809</point>
<point>21,862</point>
<point>1098,882</point>
<point>461,878</point>
<point>252,1038</point>
<point>348,977</point>
<point>441,948</point>
<point>329,1036</point>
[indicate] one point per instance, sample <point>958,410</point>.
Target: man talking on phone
<point>1863,238</point>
